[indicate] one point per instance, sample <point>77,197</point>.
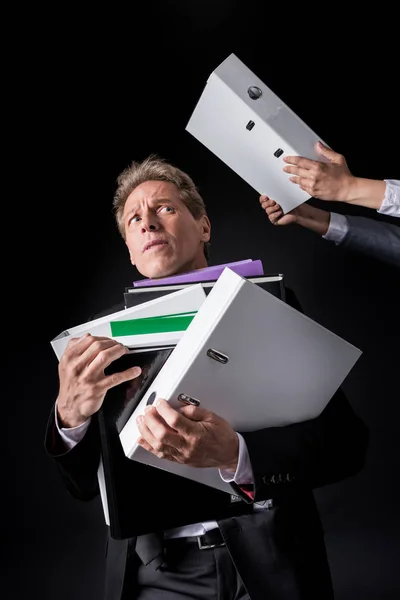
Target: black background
<point>86,91</point>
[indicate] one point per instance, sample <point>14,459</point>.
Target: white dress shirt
<point>338,225</point>
<point>243,475</point>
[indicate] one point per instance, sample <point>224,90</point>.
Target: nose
<point>149,223</point>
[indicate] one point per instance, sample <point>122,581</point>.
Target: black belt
<point>211,539</point>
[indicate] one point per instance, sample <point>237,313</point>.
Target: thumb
<point>331,155</point>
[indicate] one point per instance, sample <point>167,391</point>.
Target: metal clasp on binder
<point>218,356</point>
<point>186,399</point>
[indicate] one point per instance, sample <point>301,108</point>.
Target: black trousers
<point>188,573</point>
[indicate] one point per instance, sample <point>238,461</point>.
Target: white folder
<point>250,358</point>
<point>243,122</point>
<point>185,300</point>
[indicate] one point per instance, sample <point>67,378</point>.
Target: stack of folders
<point>148,289</point>
<point>153,298</point>
<point>230,345</point>
<point>151,327</point>
<point>252,359</point>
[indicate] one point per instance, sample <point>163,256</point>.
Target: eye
<point>134,219</point>
<point>167,209</point>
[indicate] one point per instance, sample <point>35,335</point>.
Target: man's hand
<point>192,436</point>
<point>326,181</point>
<point>83,384</point>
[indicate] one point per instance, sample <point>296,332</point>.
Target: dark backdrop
<point>87,92</point>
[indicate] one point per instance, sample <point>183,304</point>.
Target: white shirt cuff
<point>244,472</point>
<point>71,435</point>
<point>391,201</point>
<point>338,228</point>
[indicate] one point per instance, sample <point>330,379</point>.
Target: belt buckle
<point>208,546</point>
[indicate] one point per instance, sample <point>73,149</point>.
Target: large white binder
<point>250,358</point>
<point>243,122</point>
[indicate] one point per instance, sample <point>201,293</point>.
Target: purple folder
<point>245,268</point>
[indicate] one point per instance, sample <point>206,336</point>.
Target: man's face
<point>162,235</point>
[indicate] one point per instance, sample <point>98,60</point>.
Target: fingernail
<point>147,409</point>
<point>139,420</point>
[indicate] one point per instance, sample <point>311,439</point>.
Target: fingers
<point>265,201</point>
<point>304,183</point>
<point>269,205</point>
<point>156,422</point>
<point>172,417</point>
<point>100,346</point>
<point>91,355</point>
<point>156,435</point>
<point>275,217</point>
<point>147,440</point>
<point>305,173</point>
<point>300,161</point>
<point>328,153</point>
<point>115,379</point>
<point>101,354</point>
<point>272,209</point>
<point>195,413</point>
<point>77,346</point>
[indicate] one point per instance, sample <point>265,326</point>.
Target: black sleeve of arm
<point>310,454</point>
<point>77,467</point>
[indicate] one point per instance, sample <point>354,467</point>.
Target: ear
<point>205,228</point>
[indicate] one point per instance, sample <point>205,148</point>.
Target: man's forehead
<point>151,191</point>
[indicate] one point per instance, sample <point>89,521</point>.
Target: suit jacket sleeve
<point>310,454</point>
<point>376,238</point>
<point>77,467</point>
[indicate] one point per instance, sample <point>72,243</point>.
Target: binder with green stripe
<point>160,324</point>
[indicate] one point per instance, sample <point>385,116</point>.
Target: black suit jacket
<point>280,553</point>
<point>378,239</point>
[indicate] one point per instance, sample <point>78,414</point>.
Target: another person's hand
<point>330,180</point>
<point>274,212</point>
<point>305,215</point>
<point>192,436</point>
<point>83,384</point>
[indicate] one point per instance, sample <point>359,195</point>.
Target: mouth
<point>154,244</point>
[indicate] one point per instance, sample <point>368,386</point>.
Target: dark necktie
<point>150,549</point>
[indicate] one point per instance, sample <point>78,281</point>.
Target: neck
<point>199,263</point>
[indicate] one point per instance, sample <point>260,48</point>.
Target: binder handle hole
<point>151,398</point>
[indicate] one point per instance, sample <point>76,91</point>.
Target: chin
<point>158,271</point>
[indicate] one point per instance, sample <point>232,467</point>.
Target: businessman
<point>332,181</point>
<point>263,541</point>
